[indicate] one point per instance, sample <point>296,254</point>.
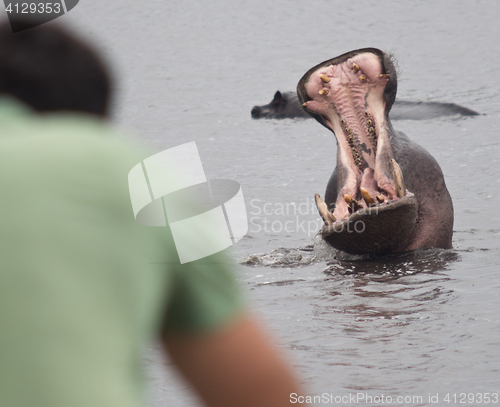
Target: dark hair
<point>48,69</point>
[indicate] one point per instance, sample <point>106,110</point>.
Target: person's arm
<point>235,367</point>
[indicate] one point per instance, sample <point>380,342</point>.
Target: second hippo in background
<point>285,105</point>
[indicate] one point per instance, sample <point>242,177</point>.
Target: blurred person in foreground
<point>82,285</point>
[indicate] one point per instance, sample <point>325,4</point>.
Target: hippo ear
<point>278,98</point>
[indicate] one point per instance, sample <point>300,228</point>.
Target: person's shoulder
<point>85,141</point>
<point>65,133</point>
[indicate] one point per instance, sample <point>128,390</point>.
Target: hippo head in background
<point>387,194</point>
<point>284,105</point>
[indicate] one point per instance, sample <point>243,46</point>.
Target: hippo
<point>285,105</point>
<point>387,194</point>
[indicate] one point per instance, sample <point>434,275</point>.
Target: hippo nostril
<point>256,112</point>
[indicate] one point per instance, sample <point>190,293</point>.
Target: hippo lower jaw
<point>377,229</point>
<point>352,95</point>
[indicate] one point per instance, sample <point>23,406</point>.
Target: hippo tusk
<point>327,216</point>
<point>399,181</point>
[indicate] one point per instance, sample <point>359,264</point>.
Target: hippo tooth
<point>324,78</point>
<point>384,76</point>
<point>348,199</point>
<point>380,198</point>
<point>367,197</point>
<point>355,67</point>
<point>399,182</point>
<point>362,78</point>
<point>324,91</point>
<point>323,210</point>
<point>352,203</point>
<point>356,206</point>
<point>304,104</point>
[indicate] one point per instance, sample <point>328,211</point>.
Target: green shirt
<point>82,284</point>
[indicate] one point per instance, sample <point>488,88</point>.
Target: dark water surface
<point>418,324</point>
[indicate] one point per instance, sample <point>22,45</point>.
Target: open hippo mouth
<point>368,208</point>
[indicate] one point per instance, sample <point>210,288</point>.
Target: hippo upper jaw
<point>352,95</point>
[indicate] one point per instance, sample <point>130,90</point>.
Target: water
<point>418,324</point>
